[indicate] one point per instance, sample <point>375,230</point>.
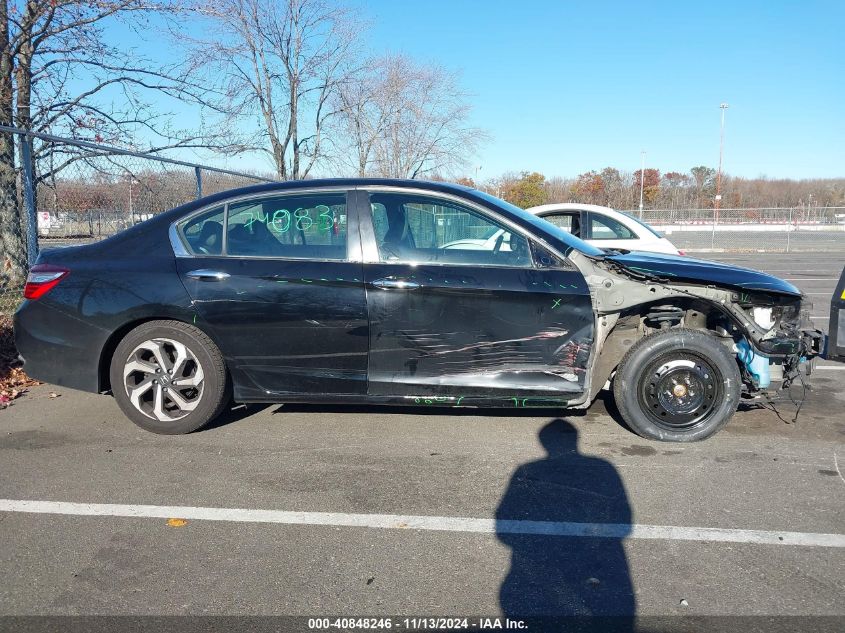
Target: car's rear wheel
<point>677,386</point>
<point>168,377</point>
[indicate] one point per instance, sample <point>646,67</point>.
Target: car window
<point>647,227</point>
<point>204,233</point>
<point>524,217</point>
<point>425,229</point>
<point>603,227</point>
<point>569,222</point>
<point>309,226</point>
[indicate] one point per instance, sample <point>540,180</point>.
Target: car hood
<point>703,271</point>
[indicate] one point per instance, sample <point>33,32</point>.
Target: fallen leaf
<point>176,522</point>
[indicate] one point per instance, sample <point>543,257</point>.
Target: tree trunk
<point>12,245</point>
<point>23,116</point>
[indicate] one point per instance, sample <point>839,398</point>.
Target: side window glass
<point>380,223</point>
<point>560,220</point>
<point>420,229</point>
<point>605,228</point>
<point>544,259</point>
<point>204,233</point>
<point>569,222</point>
<point>311,226</point>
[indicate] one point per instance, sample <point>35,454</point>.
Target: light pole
<point>642,181</point>
<point>722,107</point>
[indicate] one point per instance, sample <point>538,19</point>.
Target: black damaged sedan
<point>377,291</point>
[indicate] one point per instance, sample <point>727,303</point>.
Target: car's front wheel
<point>168,377</point>
<point>677,386</point>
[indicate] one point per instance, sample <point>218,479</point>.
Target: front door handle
<point>401,284</point>
<point>205,274</point>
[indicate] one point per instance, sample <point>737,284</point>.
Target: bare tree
<point>12,248</point>
<point>406,120</point>
<point>58,75</point>
<point>275,68</point>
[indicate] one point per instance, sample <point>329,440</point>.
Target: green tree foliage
<point>528,190</point>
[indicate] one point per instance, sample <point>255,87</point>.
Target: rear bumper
<point>50,354</point>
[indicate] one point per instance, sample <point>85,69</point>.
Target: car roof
<point>570,206</point>
<point>315,183</point>
<point>619,216</point>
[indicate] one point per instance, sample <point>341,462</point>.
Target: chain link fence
<point>76,192</point>
<point>783,230</point>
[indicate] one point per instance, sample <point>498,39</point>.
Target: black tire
<point>201,403</point>
<point>677,386</point>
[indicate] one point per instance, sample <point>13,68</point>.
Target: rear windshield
<point>544,226</point>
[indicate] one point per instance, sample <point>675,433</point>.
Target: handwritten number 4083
<point>282,221</point>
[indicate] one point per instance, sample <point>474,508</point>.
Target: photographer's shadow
<point>553,575</point>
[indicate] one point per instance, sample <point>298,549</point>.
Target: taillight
<point>42,279</point>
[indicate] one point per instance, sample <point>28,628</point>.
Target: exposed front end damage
<point>768,330</point>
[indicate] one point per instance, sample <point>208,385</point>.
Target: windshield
<point>546,227</point>
<point>643,224</point>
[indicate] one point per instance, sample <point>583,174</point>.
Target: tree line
<point>695,189</point>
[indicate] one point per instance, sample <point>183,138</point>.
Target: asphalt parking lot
<point>330,511</point>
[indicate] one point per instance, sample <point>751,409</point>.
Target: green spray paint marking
<point>556,304</point>
<point>431,400</point>
<point>652,272</point>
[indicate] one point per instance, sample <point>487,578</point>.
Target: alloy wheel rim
<point>163,379</point>
<point>680,392</point>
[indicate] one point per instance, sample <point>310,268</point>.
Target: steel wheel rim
<point>163,379</point>
<point>680,391</point>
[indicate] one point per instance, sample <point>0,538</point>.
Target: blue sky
<point>565,87</point>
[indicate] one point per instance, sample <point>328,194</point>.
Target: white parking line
<point>432,523</point>
<point>829,368</point>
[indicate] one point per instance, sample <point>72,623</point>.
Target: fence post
<point>788,229</point>
<point>29,201</point>
<point>713,232</point>
<point>198,173</point>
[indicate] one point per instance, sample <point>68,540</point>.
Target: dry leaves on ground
<point>13,380</point>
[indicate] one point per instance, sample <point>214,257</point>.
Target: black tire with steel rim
<point>168,377</point>
<point>679,385</point>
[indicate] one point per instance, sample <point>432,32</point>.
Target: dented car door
<point>450,322</point>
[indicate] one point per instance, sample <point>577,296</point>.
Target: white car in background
<point>604,227</point>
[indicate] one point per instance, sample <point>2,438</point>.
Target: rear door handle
<point>205,274</point>
<point>402,284</point>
